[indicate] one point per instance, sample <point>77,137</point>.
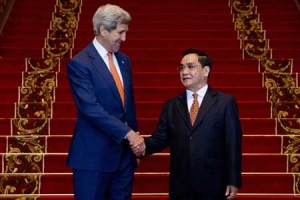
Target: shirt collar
<point>100,49</point>
<point>201,92</point>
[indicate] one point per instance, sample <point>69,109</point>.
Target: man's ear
<point>206,70</point>
<point>103,31</point>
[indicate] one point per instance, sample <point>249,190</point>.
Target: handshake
<point>136,142</point>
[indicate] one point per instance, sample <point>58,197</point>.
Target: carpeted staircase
<point>255,47</point>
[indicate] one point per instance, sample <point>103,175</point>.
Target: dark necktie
<point>194,109</point>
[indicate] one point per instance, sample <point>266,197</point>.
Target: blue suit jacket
<point>102,121</point>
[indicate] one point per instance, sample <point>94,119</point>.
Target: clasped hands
<point>136,142</point>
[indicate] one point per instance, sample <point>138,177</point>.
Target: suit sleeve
<point>84,95</point>
<point>160,138</point>
<point>233,144</point>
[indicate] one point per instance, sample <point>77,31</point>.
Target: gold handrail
<point>5,8</point>
<point>297,2</point>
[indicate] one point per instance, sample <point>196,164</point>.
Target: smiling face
<point>192,74</point>
<point>112,40</point>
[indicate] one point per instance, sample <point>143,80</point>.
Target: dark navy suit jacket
<point>102,121</point>
<point>207,156</point>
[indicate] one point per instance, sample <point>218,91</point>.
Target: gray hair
<point>109,16</point>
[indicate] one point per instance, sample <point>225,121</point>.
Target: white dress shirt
<point>190,98</point>
<point>103,53</point>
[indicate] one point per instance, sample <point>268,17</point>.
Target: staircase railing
<point>298,4</point>
<point>5,8</point>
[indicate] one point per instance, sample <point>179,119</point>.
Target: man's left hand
<point>231,192</point>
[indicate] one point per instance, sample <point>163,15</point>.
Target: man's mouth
<point>185,78</point>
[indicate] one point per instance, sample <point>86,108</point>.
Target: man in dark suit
<point>205,152</point>
<point>101,83</point>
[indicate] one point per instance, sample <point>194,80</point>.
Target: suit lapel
<point>209,100</point>
<point>125,76</point>
<point>183,109</point>
<point>101,68</point>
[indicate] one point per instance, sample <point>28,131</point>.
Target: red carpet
<point>256,59</point>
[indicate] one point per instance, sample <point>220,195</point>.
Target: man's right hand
<point>136,142</point>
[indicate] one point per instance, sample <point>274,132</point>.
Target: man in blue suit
<point>202,128</point>
<point>100,154</point>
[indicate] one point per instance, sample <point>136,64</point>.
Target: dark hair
<point>203,58</point>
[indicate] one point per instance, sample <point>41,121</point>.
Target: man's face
<point>192,74</point>
<point>113,39</point>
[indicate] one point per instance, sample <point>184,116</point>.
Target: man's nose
<point>123,37</point>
